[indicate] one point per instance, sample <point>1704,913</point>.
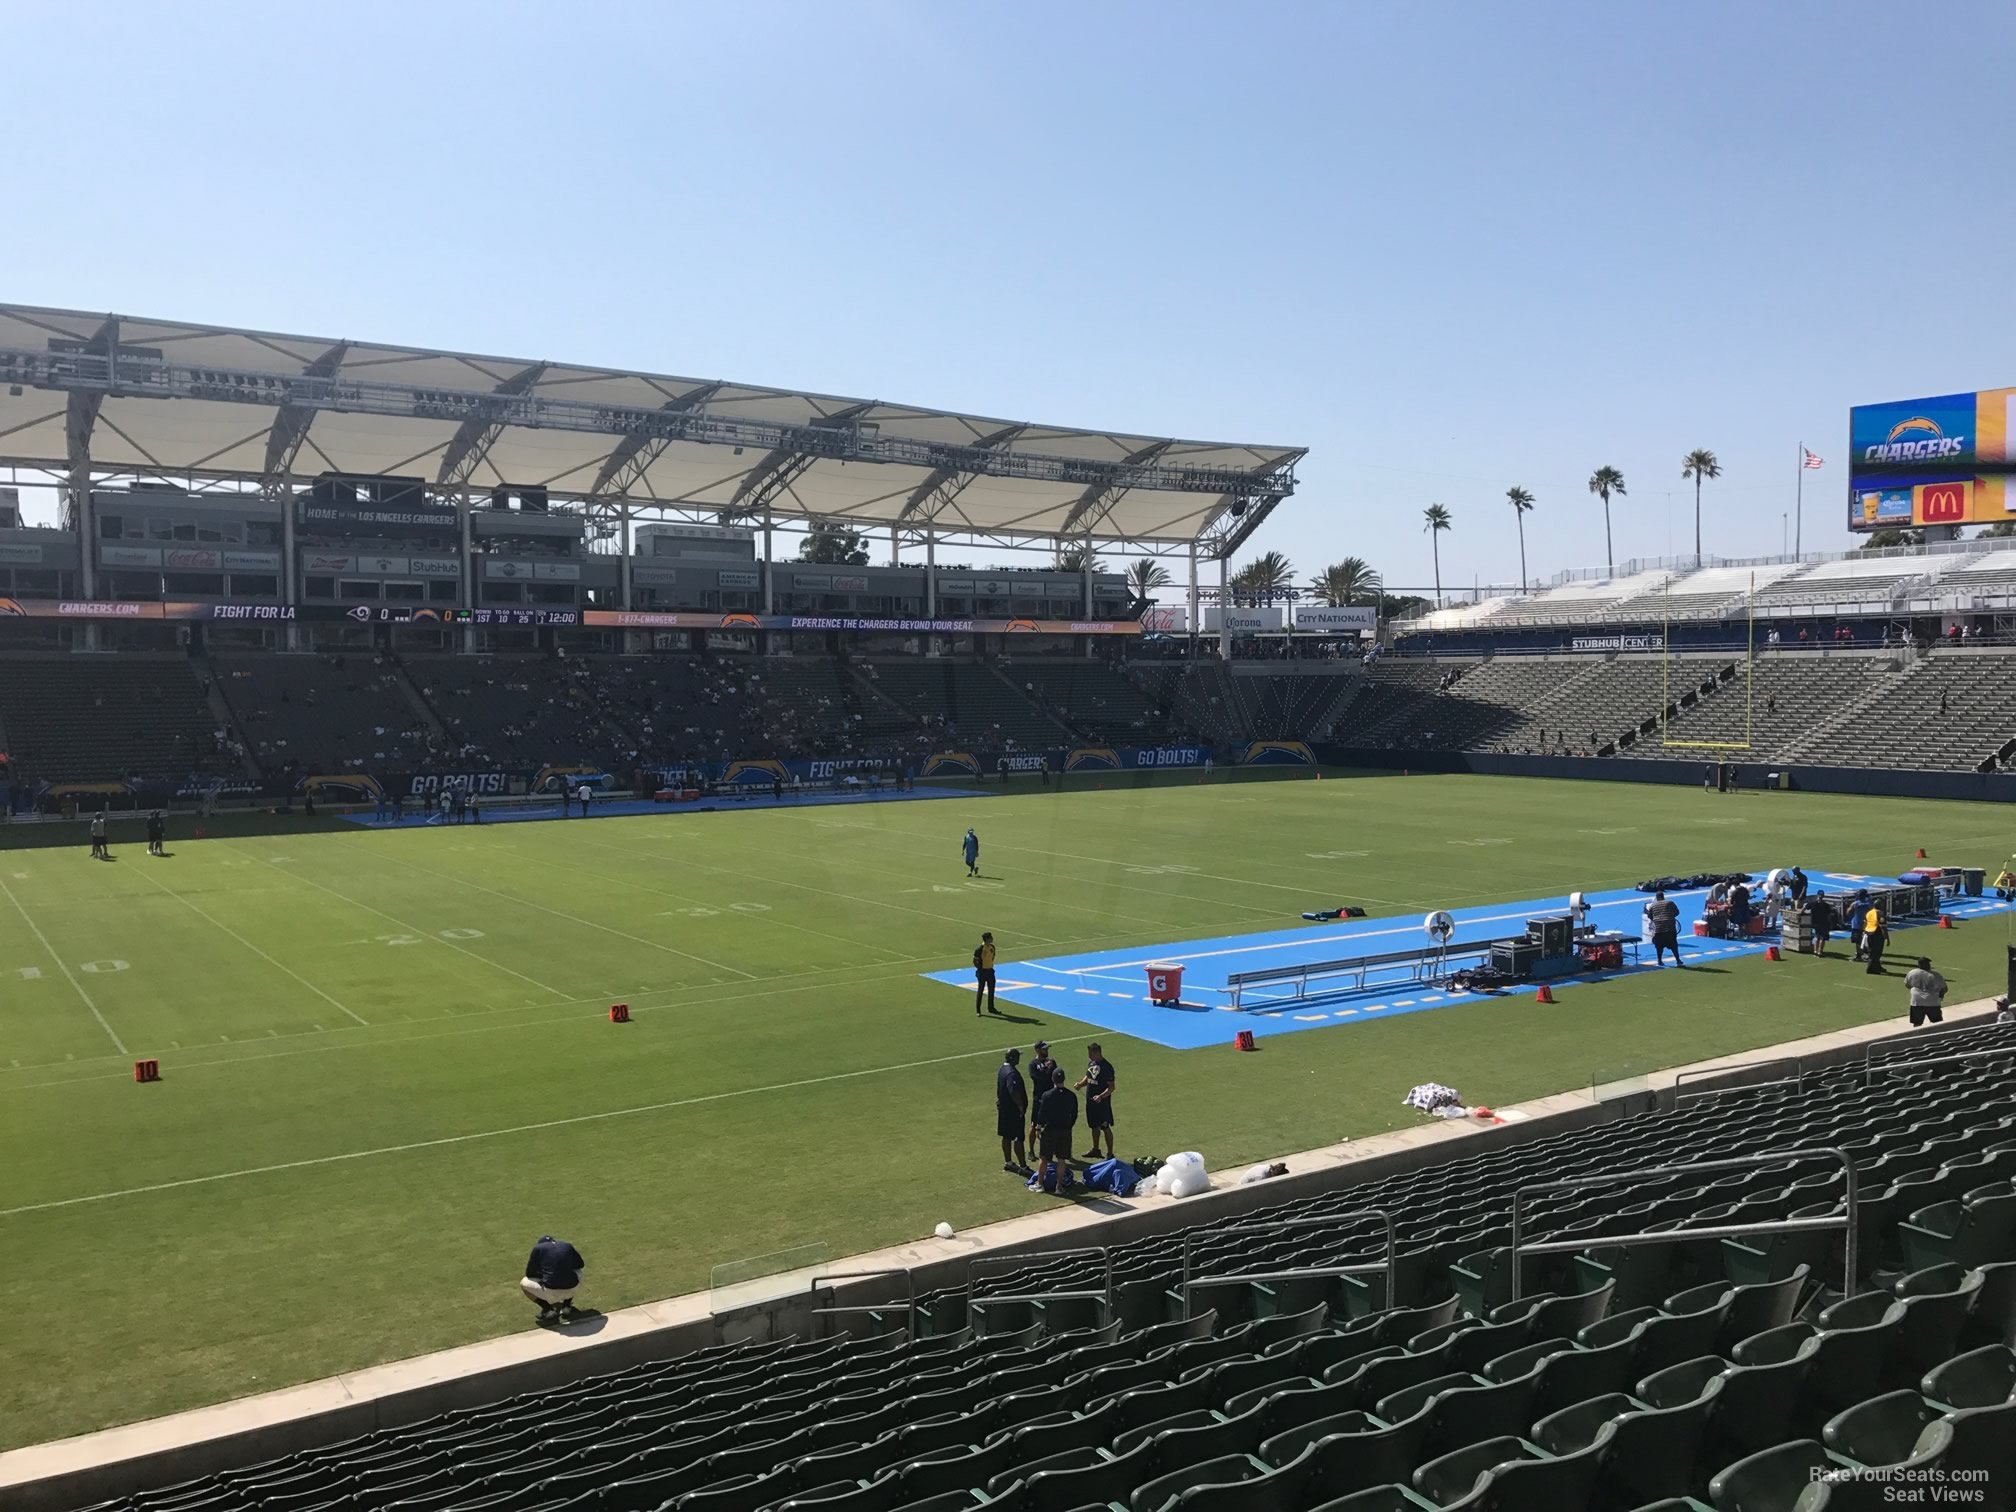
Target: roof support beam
<point>631,458</point>
<point>474,437</point>
<point>936,493</point>
<point>785,465</point>
<point>1097,501</point>
<point>291,422</point>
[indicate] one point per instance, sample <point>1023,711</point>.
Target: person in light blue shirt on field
<point>970,849</point>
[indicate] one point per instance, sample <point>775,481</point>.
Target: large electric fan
<point>1438,926</point>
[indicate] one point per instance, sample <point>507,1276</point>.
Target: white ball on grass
<point>943,1231</point>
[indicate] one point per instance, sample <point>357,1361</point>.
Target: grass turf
<point>306,1193</point>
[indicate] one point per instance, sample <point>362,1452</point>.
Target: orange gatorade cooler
<point>1165,983</point>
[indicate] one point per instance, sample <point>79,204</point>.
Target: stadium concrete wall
<point>1875,782</point>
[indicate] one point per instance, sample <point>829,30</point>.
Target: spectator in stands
<point>1662,918</point>
<point>1056,1117</point>
<point>1011,1112</point>
<point>1927,989</point>
<point>552,1277</point>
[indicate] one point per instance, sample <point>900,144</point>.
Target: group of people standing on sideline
<point>1044,1128</point>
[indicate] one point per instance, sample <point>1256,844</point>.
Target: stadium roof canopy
<point>127,395</point>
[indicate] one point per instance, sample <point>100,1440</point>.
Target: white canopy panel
<point>196,400</point>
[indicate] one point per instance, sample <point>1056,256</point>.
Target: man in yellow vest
<point>983,974</point>
<point>1874,938</point>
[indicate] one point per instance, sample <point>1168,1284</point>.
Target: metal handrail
<point>1903,1062</point>
<point>1735,1067</point>
<point>973,1299</point>
<point>1390,1265</point>
<point>909,1298</point>
<point>1847,1222</point>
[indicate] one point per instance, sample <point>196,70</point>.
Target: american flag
<point>1807,459</point>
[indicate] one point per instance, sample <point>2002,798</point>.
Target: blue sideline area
<point>1108,988</point>
<point>603,808</point>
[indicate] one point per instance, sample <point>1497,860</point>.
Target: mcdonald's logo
<point>1942,503</point>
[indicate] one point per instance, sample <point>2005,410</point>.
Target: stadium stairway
<point>1729,1374</point>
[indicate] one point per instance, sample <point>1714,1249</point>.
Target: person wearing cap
<point>1098,1084</point>
<point>1928,993</point>
<point>1042,1071</point>
<point>552,1276</point>
<point>1011,1111</point>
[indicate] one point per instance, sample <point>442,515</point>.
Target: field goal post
<point>1666,740</point>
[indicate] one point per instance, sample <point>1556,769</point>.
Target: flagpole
<point>1799,506</point>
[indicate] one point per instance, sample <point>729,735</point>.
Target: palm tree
<point>1267,577</point>
<point>1076,558</point>
<point>1343,584</point>
<point>1521,501</point>
<point>1438,521</point>
<point>1604,482</point>
<point>1698,464</point>
<point>1145,576</point>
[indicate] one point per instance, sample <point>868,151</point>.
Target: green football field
<point>388,1066</point>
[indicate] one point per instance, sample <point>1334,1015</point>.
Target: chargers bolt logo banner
<point>1918,439</point>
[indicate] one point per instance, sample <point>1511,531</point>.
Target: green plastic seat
<point>1983,1377</point>
<point>1154,1494</point>
<point>1653,1454</point>
<point>1771,1480</point>
<point>1984,1441</point>
<point>1968,1234</point>
<point>1572,1429</point>
<point>1881,1431</point>
<point>1451,1477</point>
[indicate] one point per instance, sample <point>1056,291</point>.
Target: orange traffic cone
<point>1771,953</point>
<point>1545,995</point>
<point>1921,853</point>
<point>1945,921</point>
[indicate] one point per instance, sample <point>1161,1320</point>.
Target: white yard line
<point>276,965</point>
<point>117,1043</point>
<point>561,913</point>
<point>527,1128</point>
<point>302,876</point>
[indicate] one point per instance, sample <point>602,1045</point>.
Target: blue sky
<point>1447,247</point>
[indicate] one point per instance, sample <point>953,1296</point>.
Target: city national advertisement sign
<point>1946,460</point>
<point>1358,619</point>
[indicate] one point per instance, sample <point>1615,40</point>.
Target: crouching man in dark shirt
<point>552,1276</point>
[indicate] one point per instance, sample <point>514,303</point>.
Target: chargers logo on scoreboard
<point>1913,433</point>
